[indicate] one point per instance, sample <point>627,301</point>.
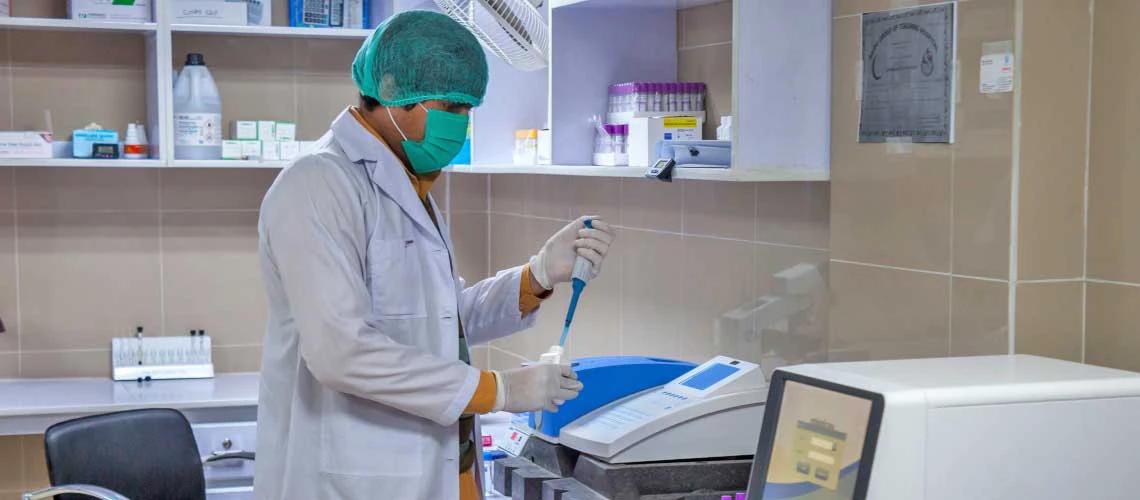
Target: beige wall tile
<point>717,277</point>
<point>550,196</point>
<point>8,340</point>
<point>254,76</point>
<point>1049,320</point>
<point>886,314</point>
<point>653,311</point>
<point>6,89</point>
<point>87,277</point>
<point>887,207</point>
<point>1111,335</point>
<point>109,69</point>
<point>652,205</point>
<point>891,209</point>
<point>212,276</point>
<point>237,359</point>
<point>481,357</point>
<point>983,149</point>
<point>62,364</point>
<point>979,317</point>
<point>9,365</point>
<point>724,209</point>
<point>511,242</point>
<point>509,193</point>
<point>39,8</point>
<point>215,188</point>
<point>325,56</point>
<point>87,188</point>
<point>713,66</point>
<point>321,97</point>
<point>1114,223</point>
<point>853,7</point>
<point>7,188</point>
<point>469,234</point>
<point>705,24</point>
<point>468,192</point>
<point>794,213</point>
<point>11,455</point>
<point>1054,106</point>
<point>799,336</point>
<point>598,196</point>
<point>35,465</point>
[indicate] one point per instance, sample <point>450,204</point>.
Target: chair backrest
<point>141,454</point>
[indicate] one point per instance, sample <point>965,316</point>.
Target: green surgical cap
<point>421,55</point>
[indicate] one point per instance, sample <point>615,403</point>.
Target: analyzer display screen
<point>709,376</point>
<point>817,448</point>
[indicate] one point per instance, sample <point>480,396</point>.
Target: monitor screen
<point>817,441</point>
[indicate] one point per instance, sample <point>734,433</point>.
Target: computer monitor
<point>817,441</point>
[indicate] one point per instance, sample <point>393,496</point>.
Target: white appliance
<point>982,428</point>
<point>713,410</point>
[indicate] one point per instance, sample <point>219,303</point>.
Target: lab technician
<point>366,386</point>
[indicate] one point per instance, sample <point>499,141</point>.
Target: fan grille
<point>513,30</point>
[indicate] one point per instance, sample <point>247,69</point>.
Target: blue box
<point>329,13</point>
<point>83,139</point>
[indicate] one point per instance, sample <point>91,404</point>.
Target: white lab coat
<point>361,385</point>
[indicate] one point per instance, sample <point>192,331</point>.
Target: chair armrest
<point>230,455</point>
<point>82,489</point>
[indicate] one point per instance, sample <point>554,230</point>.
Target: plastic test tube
<point>699,91</point>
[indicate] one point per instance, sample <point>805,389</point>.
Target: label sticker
<point>681,122</point>
<point>997,73</point>
<point>197,129</point>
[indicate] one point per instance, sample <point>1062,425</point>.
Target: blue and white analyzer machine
<point>711,411</point>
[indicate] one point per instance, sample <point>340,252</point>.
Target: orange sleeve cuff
<point>528,301</point>
<point>484,399</point>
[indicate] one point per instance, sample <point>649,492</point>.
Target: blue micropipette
<point>581,275</point>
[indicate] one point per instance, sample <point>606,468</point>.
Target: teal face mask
<point>444,134</point>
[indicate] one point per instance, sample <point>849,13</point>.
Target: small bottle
<point>686,97</point>
<point>699,93</point>
<point>724,131</point>
<point>656,97</point>
<point>742,496</point>
<point>134,146</point>
<point>674,89</point>
<point>642,96</point>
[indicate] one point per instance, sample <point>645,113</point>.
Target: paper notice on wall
<point>997,73</point>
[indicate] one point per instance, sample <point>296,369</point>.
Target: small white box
<point>231,150</point>
<point>250,150</point>
<point>544,147</point>
<point>270,151</point>
<point>21,145</point>
<point>266,129</point>
<point>134,11</point>
<point>245,130</point>
<point>645,132</point>
<point>288,150</point>
<point>212,12</point>
<point>286,131</point>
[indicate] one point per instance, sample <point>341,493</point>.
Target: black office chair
<point>132,455</point>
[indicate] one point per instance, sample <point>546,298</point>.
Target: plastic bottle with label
<point>197,113</point>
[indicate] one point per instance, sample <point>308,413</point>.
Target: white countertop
<point>33,404</point>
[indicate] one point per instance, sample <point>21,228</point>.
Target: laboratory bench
<point>222,412</point>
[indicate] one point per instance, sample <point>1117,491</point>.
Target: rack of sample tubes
<point>665,97</point>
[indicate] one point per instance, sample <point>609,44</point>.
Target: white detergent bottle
<point>197,113</point>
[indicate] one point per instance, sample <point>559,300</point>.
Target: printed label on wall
<point>197,129</point>
<point>997,73</point>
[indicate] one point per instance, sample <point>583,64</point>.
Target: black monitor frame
<point>759,478</point>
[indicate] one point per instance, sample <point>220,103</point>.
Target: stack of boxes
<point>262,140</point>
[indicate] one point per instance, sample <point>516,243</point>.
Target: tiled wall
<point>920,233</point>
<point>1112,327</point>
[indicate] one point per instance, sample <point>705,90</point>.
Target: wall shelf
<point>272,31</point>
<point>48,24</point>
<point>80,162</point>
<point>227,164</point>
<point>763,174</point>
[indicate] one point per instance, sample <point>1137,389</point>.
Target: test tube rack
<point>161,358</point>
